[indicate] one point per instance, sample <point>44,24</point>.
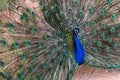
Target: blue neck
<point>78,50</point>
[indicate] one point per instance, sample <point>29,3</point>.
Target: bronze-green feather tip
<point>3,4</point>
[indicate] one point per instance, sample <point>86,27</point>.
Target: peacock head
<point>76,31</point>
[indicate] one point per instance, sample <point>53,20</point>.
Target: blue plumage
<point>78,50</point>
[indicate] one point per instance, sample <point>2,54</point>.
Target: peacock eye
<point>95,49</point>
<point>42,5</point>
<point>46,13</point>
<point>67,18</point>
<point>118,35</point>
<point>2,63</point>
<point>115,45</point>
<point>62,24</point>
<point>81,12</point>
<point>52,20</point>
<point>102,12</point>
<point>70,10</point>
<point>113,16</point>
<point>62,14</point>
<point>90,10</point>
<point>40,76</point>
<point>76,2</point>
<point>108,1</point>
<point>53,8</point>
<point>9,77</point>
<point>93,23</point>
<point>104,25</point>
<point>33,14</point>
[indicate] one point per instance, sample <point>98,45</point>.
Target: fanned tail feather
<point>39,45</point>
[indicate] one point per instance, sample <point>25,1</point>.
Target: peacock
<point>50,42</point>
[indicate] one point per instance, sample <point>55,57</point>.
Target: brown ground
<point>90,73</point>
